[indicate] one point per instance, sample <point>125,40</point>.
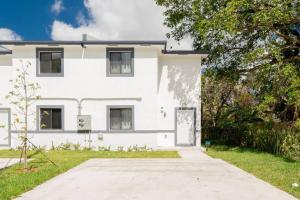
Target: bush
<point>278,138</point>
<point>266,137</point>
<point>65,146</point>
<point>76,147</point>
<point>290,147</point>
<point>120,148</point>
<point>232,136</point>
<point>103,148</point>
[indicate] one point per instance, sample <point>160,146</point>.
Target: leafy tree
<point>225,101</point>
<point>216,97</point>
<point>242,35</point>
<point>256,43</point>
<point>22,96</point>
<point>275,90</point>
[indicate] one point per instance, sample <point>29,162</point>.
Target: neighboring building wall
<point>6,71</point>
<point>160,83</point>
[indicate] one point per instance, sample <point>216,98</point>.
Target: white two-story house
<point>129,92</point>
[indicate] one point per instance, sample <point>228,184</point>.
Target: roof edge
<point>90,42</point>
<point>4,51</point>
<point>101,42</point>
<point>185,52</point>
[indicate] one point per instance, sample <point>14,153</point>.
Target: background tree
<point>216,97</point>
<point>22,97</point>
<point>239,34</point>
<point>253,79</point>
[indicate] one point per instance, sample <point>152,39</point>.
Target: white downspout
<point>82,62</point>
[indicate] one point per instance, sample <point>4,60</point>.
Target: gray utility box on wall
<point>84,123</point>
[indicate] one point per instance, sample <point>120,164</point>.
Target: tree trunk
<point>25,128</point>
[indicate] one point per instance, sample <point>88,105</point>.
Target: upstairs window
<point>50,62</point>
<point>120,61</point>
<point>51,118</point>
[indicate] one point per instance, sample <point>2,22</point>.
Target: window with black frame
<point>120,62</point>
<point>121,119</point>
<point>50,118</point>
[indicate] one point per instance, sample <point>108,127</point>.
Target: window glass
<point>126,63</point>
<point>45,62</point>
<point>115,63</point>
<point>115,119</point>
<point>56,119</point>
<point>56,62</point>
<point>45,56</point>
<point>50,118</point>
<point>50,62</point>
<point>120,118</point>
<point>45,118</point>
<point>120,62</point>
<point>126,119</point>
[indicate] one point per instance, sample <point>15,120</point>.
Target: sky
<point>69,19</point>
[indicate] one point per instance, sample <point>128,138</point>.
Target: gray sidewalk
<point>6,162</point>
<point>195,176</point>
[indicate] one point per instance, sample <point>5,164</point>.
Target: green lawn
<point>14,183</point>
<point>276,170</point>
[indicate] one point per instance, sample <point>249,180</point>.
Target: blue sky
<point>69,19</point>
<point>32,19</point>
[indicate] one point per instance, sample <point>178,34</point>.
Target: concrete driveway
<point>195,176</point>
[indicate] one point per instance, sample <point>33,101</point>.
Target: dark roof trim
<point>4,51</point>
<point>96,42</point>
<point>184,52</point>
<point>101,42</point>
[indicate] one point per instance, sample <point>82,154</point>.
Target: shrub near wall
<point>224,135</point>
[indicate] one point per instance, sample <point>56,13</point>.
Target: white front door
<point>4,127</point>
<point>185,126</point>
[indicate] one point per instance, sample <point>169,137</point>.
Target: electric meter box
<point>84,123</point>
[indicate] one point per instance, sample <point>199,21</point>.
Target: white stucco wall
<point>160,83</point>
<point>178,86</point>
<point>6,71</point>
